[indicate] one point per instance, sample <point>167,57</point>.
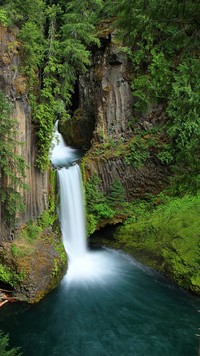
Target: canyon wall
<point>15,86</point>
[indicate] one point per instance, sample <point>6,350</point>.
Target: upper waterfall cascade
<point>61,155</point>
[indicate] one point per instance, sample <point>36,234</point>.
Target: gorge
<point>120,80</point>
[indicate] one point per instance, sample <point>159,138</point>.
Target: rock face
<point>104,117</point>
<point>34,267</point>
<point>15,86</point>
<point>105,93</point>
<point>138,182</point>
<point>105,100</point>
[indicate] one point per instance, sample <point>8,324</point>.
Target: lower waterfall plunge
<point>71,212</point>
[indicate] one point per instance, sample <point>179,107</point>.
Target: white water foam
<point>61,155</point>
<point>71,212</point>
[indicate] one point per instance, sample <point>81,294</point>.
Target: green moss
<point>168,239</point>
<point>21,250</point>
<point>10,276</point>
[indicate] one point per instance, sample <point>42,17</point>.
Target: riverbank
<point>166,239</point>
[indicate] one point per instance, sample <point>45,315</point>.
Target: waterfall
<point>84,265</point>
<point>61,155</point>
<point>70,210</point>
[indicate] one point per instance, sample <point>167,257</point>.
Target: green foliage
<point>169,238</point>
<point>61,55</point>
<point>78,31</point>
<point>97,207</point>
<point>184,131</point>
<point>152,87</point>
<point>169,26</point>
<point>15,250</point>
<point>163,40</point>
<point>4,345</point>
<point>47,218</point>
<point>117,194</point>
<point>54,36</point>
<point>32,47</point>
<point>137,152</point>
<point>4,17</point>
<point>19,11</point>
<point>91,224</point>
<point>33,230</point>
<point>9,276</point>
<point>58,245</point>
<point>12,166</point>
<point>166,154</point>
<point>43,118</point>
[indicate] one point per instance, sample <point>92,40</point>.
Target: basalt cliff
<point>103,124</point>
<point>15,86</point>
<point>30,267</point>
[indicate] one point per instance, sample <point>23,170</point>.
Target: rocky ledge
<point>32,266</point>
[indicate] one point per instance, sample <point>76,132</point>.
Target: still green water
<point>127,310</point>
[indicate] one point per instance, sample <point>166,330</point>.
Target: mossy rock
<point>168,240</point>
<point>33,267</point>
